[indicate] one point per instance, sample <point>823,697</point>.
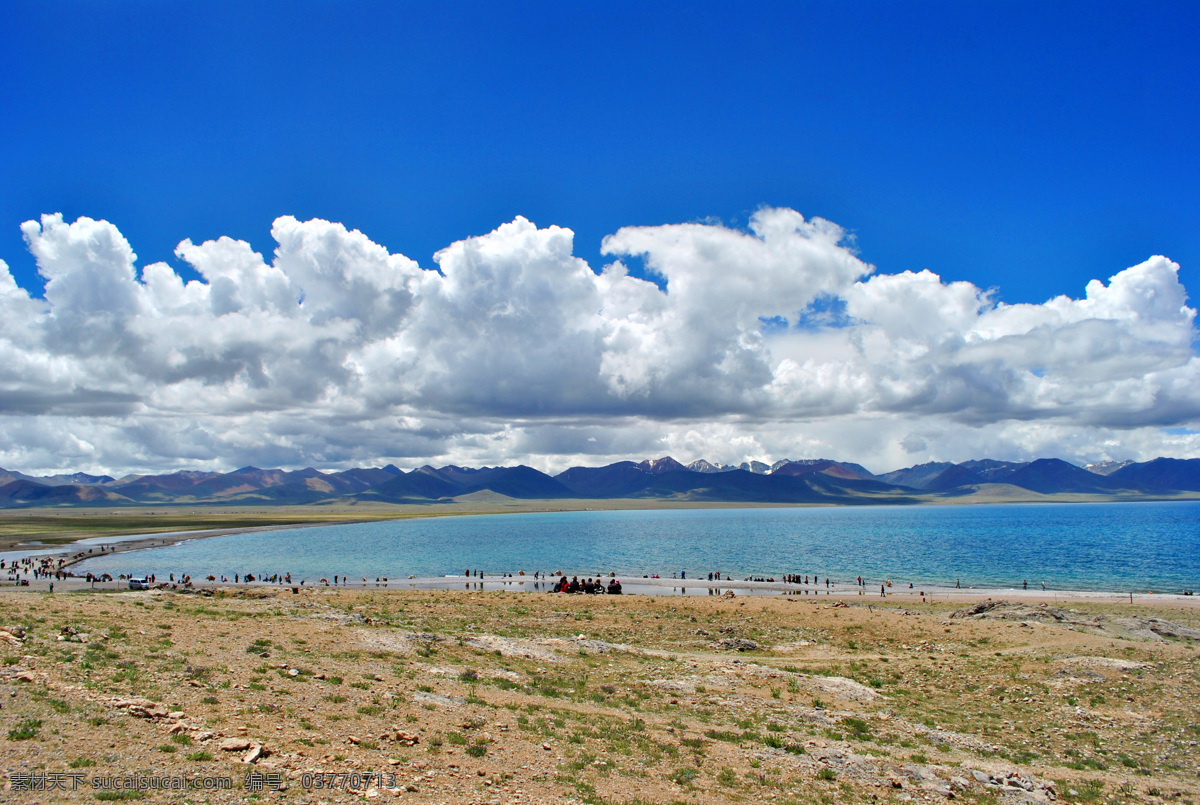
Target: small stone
<point>254,754</point>
<point>234,745</point>
<point>293,672</point>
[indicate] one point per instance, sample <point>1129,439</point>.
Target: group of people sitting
<point>588,586</point>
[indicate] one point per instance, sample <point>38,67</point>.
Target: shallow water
<point>1080,546</point>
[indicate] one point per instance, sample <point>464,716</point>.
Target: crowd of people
<point>39,567</point>
<point>588,587</point>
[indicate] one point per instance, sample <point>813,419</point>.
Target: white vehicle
<point>142,583</point>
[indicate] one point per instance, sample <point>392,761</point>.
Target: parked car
<point>142,583</point>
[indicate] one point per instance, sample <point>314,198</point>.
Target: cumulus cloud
<point>334,352</point>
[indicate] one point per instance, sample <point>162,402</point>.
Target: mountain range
<point>805,481</point>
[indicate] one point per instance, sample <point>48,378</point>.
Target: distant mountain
<point>1160,475</point>
<point>160,488</point>
<point>701,465</point>
<point>953,477</point>
<point>658,466</point>
<point>363,479</point>
<point>75,478</point>
<point>176,480</point>
<point>19,494</point>
<point>428,483</point>
<point>420,484</point>
<point>917,477</point>
<point>621,480</point>
<point>786,481</point>
<point>837,469</point>
<point>1047,476</point>
<point>1106,467</point>
<point>792,482</point>
<point>1051,475</point>
<point>991,470</point>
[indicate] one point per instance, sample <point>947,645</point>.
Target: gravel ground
<point>480,696</point>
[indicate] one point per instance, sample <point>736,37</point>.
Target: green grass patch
<point>27,729</point>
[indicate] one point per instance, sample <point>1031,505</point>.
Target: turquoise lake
<point>1078,546</point>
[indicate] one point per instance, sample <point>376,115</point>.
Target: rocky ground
<point>441,696</point>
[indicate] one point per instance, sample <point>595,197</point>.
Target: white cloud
<point>335,352</point>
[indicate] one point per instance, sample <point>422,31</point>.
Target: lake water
<point>1079,546</point>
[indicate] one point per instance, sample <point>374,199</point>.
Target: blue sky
<point>1029,146</point>
<point>1017,150</point>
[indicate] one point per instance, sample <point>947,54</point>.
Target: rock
<point>234,745</point>
<point>123,704</point>
<point>736,644</point>
<point>293,672</point>
<point>256,751</point>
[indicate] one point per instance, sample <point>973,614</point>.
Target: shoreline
<point>846,592</point>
